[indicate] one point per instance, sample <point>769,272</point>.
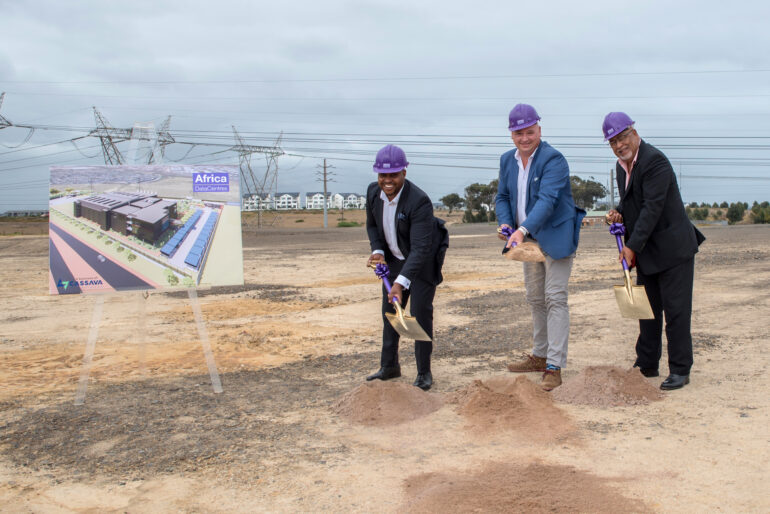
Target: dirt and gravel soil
<point>297,429</point>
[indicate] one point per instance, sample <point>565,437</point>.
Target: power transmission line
<point>405,78</point>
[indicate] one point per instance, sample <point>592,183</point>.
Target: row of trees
<point>479,203</point>
<point>733,213</point>
<point>479,198</point>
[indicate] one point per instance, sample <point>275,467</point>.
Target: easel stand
<point>93,334</point>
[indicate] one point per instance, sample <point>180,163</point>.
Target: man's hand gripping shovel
<point>524,252</point>
<point>406,326</point>
<point>632,300</point>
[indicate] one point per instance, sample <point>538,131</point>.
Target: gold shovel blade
<point>406,326</point>
<point>632,301</point>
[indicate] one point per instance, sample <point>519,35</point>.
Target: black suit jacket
<point>422,238</point>
<point>657,227</point>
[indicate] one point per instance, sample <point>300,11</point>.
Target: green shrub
<point>171,278</point>
<point>131,257</point>
<point>735,212</point>
<point>348,224</point>
<point>298,221</point>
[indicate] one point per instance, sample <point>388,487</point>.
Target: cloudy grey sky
<point>340,79</point>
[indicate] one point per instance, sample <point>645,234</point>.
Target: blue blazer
<point>553,220</point>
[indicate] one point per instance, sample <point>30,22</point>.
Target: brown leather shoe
<point>551,379</point>
<point>528,364</point>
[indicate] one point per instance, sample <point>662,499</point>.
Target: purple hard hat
<point>390,159</point>
<point>521,117</point>
<point>615,123</point>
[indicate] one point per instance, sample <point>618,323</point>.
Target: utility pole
<point>324,176</point>
<point>326,220</point>
<point>612,190</point>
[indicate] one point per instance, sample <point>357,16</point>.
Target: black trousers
<point>670,293</point>
<point>422,294</point>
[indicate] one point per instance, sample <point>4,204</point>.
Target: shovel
<point>632,300</point>
<point>524,252</point>
<point>406,326</point>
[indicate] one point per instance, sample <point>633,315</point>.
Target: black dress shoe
<point>649,372</point>
<point>385,373</point>
<point>424,381</point>
<point>675,381</point>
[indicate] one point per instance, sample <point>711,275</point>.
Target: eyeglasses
<point>621,138</point>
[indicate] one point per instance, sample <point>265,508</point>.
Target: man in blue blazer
<point>534,196</point>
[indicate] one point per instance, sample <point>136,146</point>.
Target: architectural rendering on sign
<point>144,227</point>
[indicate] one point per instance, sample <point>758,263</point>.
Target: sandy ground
<point>297,339</point>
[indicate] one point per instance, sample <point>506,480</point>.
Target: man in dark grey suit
<point>661,242</point>
<point>404,234</point>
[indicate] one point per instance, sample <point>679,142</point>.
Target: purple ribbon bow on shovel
<point>507,232</point>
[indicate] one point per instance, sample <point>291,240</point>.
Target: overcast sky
<point>340,79</point>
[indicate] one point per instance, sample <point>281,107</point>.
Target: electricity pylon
<point>3,121</point>
<point>163,138</point>
<point>109,137</point>
<point>267,183</point>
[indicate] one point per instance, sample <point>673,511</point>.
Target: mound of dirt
<point>381,403</point>
<point>512,403</point>
<point>500,487</point>
<point>606,386</point>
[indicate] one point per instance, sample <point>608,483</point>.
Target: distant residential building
<point>315,200</point>
<point>24,214</point>
<point>348,201</point>
<point>286,201</point>
<point>354,201</point>
<point>594,218</point>
<point>254,202</point>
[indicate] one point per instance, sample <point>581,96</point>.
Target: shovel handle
<point>387,284</point>
<point>620,250</point>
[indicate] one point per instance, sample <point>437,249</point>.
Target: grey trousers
<point>546,284</point>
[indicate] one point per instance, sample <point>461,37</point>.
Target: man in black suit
<point>661,242</point>
<point>404,234</point>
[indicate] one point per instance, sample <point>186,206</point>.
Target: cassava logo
<point>64,284</point>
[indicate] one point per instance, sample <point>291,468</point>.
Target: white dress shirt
<point>389,208</point>
<point>521,187</point>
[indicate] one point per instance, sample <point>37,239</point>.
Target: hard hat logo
<point>390,159</point>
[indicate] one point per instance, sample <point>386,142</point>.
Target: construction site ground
<point>296,429</point>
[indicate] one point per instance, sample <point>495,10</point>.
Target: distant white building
<point>348,201</point>
<point>315,200</point>
<point>287,201</point>
<point>22,214</point>
<point>256,202</point>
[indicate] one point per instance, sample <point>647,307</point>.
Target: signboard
<point>144,227</point>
